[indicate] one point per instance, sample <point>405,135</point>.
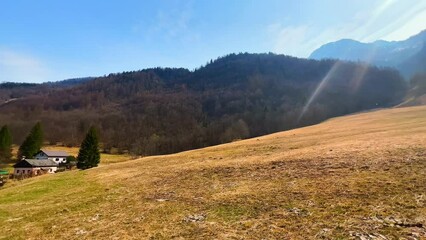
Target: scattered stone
<point>162,200</point>
<point>416,235</point>
<point>138,219</point>
<point>299,212</point>
<point>368,236</point>
<point>195,218</point>
<point>14,219</point>
<point>95,218</point>
<point>420,199</point>
<point>323,233</point>
<point>80,231</point>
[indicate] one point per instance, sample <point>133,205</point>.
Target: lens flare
<point>361,70</point>
<point>319,88</point>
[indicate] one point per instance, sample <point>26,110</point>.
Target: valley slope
<point>354,176</point>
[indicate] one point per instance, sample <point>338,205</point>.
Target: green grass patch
<point>44,201</point>
<point>52,185</point>
<point>231,212</point>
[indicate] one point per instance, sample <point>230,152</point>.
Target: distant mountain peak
<point>380,52</point>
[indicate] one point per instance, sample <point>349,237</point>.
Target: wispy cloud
<point>301,40</point>
<point>20,67</point>
<point>171,23</point>
<point>289,39</point>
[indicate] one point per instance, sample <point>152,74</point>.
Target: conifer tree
<point>89,155</point>
<point>32,144</point>
<point>38,136</point>
<point>5,144</point>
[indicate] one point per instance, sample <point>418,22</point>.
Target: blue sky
<point>49,40</point>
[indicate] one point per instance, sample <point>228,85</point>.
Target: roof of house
<point>54,153</point>
<point>35,163</point>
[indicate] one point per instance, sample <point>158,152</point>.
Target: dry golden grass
<point>359,176</point>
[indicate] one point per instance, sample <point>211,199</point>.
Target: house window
<point>17,171</point>
<point>57,159</point>
<point>50,170</point>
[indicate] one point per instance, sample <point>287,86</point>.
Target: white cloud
<point>19,67</point>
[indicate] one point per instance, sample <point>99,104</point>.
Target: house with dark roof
<point>57,156</point>
<point>34,167</point>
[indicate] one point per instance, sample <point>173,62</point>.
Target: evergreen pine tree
<point>5,144</point>
<point>38,136</point>
<point>89,155</point>
<point>33,143</point>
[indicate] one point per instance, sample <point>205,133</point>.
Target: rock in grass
<point>80,231</point>
<point>195,218</point>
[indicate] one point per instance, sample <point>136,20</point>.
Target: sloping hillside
<point>415,64</point>
<point>357,176</point>
<point>417,93</point>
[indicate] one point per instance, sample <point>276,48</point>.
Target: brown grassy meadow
<point>355,177</point>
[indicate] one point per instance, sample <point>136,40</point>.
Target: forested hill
<point>167,110</point>
<point>11,90</point>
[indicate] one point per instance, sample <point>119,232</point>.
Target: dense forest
<point>164,110</point>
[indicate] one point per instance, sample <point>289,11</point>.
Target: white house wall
<point>21,171</point>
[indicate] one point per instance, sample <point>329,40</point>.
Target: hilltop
<point>355,176</point>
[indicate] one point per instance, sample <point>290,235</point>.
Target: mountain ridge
<point>396,54</point>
